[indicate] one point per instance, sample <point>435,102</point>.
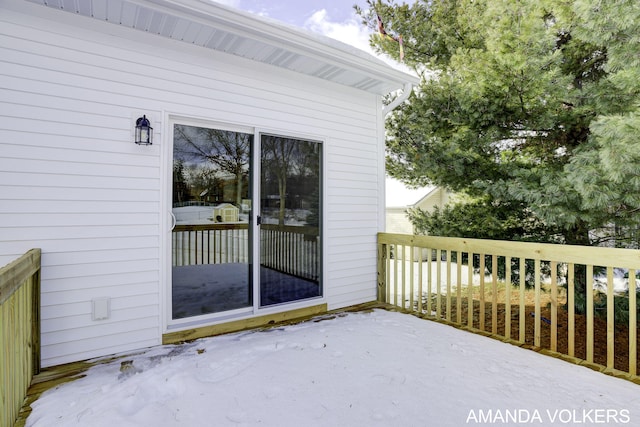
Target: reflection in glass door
<point>290,211</point>
<point>211,206</point>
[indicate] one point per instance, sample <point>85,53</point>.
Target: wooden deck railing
<point>289,249</point>
<point>19,332</point>
<point>572,305</point>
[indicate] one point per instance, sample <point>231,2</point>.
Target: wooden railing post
<point>35,318</point>
<point>19,332</point>
<point>382,273</point>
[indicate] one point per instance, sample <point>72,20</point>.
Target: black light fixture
<point>144,131</point>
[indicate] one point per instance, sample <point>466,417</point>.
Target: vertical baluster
<point>286,252</point>
<point>522,327</point>
<point>300,247</point>
<point>459,288</point>
<point>507,297</point>
<point>295,255</point>
<point>279,241</point>
<point>234,247</point>
<point>404,276</point>
<point>193,236</point>
<point>633,318</point>
<point>215,246</point>
<point>198,233</point>
<point>494,297</point>
<point>420,279</point>
<point>179,248</point>
<point>448,273</point>
<point>229,234</point>
<point>439,283</point>
<point>537,326</point>
<point>174,252</point>
<point>554,306</point>
<point>589,292</point>
<point>388,274</point>
<point>482,278</point>
<point>571,310</point>
<point>396,253</point>
<point>470,289</point>
<point>286,259</point>
<point>610,319</point>
<point>411,279</point>
<point>209,246</point>
<point>429,280</point>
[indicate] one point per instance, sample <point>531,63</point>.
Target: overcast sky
<point>297,12</point>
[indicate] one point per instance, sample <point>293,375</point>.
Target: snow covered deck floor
<point>375,368</point>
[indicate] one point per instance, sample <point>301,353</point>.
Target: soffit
<point>217,27</point>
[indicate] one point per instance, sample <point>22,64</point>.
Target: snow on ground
<point>620,282</point>
<point>362,369</point>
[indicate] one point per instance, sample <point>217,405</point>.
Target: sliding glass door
<point>216,235</point>
<point>290,211</point>
<point>211,251</point>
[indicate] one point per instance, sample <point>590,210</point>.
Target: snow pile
<point>361,369</point>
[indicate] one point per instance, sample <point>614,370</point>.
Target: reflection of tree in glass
<point>294,164</point>
<point>308,173</point>
<point>181,190</point>
<point>225,154</point>
<point>276,159</point>
<point>204,182</point>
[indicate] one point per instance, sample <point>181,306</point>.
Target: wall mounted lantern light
<point>144,131</point>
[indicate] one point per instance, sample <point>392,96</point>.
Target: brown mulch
<point>621,334</point>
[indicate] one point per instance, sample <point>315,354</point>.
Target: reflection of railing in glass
<point>292,250</point>
<point>210,244</point>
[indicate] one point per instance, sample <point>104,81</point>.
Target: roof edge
<point>294,38</point>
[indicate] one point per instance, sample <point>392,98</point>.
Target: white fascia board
<point>285,36</point>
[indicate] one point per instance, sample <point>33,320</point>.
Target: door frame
<point>168,324</point>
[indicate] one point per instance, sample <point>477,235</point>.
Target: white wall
<point>73,183</point>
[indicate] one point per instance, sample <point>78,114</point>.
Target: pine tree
<point>528,107</point>
<point>606,169</point>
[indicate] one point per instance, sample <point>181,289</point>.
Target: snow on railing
<point>569,301</point>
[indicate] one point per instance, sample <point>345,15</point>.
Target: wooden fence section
<point>570,300</point>
<point>19,332</point>
<point>292,250</point>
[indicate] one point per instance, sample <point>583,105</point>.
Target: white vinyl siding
<point>73,183</point>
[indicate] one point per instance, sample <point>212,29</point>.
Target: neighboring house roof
<point>221,28</point>
<point>428,195</point>
<point>398,195</point>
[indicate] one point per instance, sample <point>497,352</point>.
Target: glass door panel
<point>290,211</point>
<point>211,206</point>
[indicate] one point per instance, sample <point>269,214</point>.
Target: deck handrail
<point>19,331</point>
<point>449,279</point>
